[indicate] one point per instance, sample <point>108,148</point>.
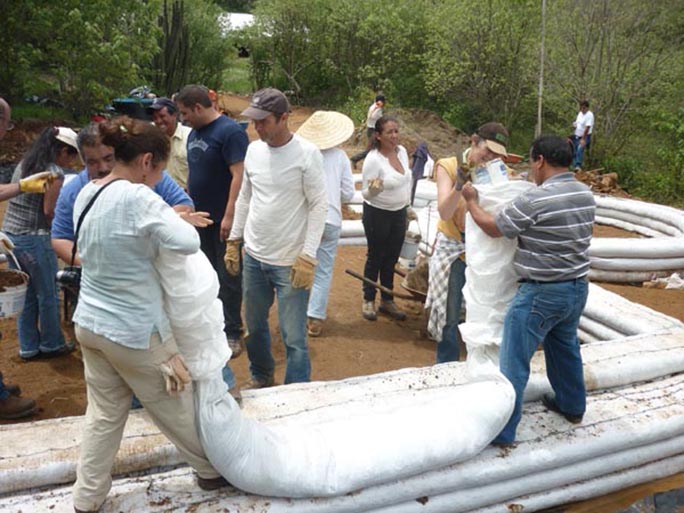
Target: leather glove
<point>37,183</point>
<point>232,256</point>
<point>6,245</point>
<point>175,374</point>
<point>375,186</point>
<point>302,272</point>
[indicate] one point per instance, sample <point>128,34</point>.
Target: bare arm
<point>63,249</point>
<point>9,191</point>
<point>50,198</point>
<point>447,195</point>
<point>236,170</point>
<point>484,219</point>
<point>181,209</point>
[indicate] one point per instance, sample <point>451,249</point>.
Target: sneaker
<point>212,484</point>
<point>390,308</point>
<point>368,311</point>
<point>13,407</point>
<point>550,402</point>
<point>236,347</point>
<point>256,383</point>
<point>314,327</point>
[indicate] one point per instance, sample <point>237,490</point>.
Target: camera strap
<point>83,214</point>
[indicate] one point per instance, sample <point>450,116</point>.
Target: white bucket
<point>12,299</point>
<point>409,249</point>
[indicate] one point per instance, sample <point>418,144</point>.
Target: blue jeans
<point>579,150</point>
<point>545,313</point>
<point>261,284</point>
<point>38,324</point>
<point>448,347</point>
<point>318,302</point>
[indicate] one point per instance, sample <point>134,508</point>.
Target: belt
<point>538,282</point>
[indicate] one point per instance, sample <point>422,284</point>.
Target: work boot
<point>368,311</point>
<point>214,483</point>
<point>236,347</point>
<point>256,383</point>
<point>390,308</point>
<point>314,327</point>
<point>550,402</point>
<point>13,407</point>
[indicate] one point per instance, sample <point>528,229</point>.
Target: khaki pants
<point>113,373</point>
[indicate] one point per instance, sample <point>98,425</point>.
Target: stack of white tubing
<point>630,435</point>
<point>660,254</point>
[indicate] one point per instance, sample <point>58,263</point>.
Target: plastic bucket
<point>409,249</point>
<point>13,297</point>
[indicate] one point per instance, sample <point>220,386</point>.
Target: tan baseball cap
<point>496,137</point>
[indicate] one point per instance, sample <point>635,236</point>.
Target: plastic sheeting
<point>491,281</point>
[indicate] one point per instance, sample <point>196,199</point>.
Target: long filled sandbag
<point>625,276</point>
<point>668,215</point>
<point>659,248</point>
<point>618,435</point>
<point>657,226</point>
<point>638,264</point>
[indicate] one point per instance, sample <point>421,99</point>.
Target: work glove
<point>302,272</point>
<point>6,245</point>
<point>38,183</point>
<point>411,214</point>
<point>375,186</point>
<point>175,374</point>
<point>232,256</point>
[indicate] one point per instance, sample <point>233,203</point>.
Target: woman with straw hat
<point>327,130</point>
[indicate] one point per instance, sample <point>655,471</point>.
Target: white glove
<point>175,374</point>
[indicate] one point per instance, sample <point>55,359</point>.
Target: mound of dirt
<point>602,183</point>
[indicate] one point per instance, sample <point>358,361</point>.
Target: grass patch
<point>236,78</point>
<point>37,111</point>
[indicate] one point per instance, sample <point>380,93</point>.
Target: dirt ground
<point>349,345</point>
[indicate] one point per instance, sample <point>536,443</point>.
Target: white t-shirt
<point>583,121</point>
<point>283,204</point>
<point>338,182</point>
<point>374,113</point>
<point>397,187</point>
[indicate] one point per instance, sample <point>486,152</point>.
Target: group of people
<point>267,216</point>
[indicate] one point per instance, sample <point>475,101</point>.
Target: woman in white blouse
<point>124,334</point>
<point>386,192</point>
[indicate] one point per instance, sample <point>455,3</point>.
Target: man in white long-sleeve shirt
<point>280,214</point>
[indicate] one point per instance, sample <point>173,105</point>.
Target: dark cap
<point>496,137</point>
<point>160,103</point>
<point>266,101</point>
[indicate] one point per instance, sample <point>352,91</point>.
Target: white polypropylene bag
<point>340,448</point>
<point>491,281</point>
<point>195,313</point>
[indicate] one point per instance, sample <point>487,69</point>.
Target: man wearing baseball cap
<point>165,115</point>
<point>280,215</point>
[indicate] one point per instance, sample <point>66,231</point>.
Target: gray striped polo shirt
<point>553,224</point>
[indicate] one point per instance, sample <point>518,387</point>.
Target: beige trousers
<point>113,373</point>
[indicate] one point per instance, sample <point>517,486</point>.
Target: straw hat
<point>326,129</point>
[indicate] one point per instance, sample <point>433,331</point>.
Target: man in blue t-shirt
<point>99,161</point>
<point>216,151</point>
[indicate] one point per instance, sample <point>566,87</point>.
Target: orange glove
<point>232,256</point>
<point>302,272</point>
<point>175,374</point>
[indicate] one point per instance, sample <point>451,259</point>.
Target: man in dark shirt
<point>216,151</point>
<point>553,224</point>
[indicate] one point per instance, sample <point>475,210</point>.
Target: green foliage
<point>79,52</point>
<point>170,65</point>
<point>237,78</point>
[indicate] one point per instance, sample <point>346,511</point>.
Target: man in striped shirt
<point>553,224</point>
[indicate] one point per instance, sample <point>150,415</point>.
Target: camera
<point>69,278</point>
